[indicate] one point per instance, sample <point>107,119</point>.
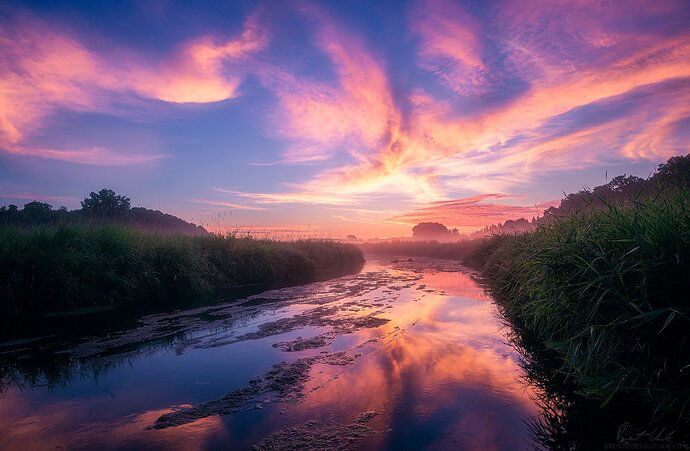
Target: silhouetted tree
<point>105,204</point>
<point>37,212</point>
<point>351,238</point>
<point>676,172</point>
<point>430,230</point>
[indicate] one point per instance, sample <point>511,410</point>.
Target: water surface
<point>403,355</point>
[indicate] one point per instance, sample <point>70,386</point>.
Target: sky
<point>331,118</point>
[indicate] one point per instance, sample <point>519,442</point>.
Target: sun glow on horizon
<point>349,118</point>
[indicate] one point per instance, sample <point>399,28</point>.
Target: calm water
<point>406,355</point>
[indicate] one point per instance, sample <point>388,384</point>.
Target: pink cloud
<point>428,152</point>
<point>356,112</point>
<point>451,45</point>
<point>44,68</point>
<point>195,73</point>
<point>565,55</point>
<point>472,211</point>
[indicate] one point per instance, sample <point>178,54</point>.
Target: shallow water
<point>405,355</point>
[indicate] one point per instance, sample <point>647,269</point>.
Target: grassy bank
<point>608,291</point>
<point>57,268</point>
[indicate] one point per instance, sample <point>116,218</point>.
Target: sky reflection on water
<point>439,375</point>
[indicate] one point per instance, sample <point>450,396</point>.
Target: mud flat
<point>324,434</point>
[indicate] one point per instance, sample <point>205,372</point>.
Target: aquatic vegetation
<point>49,269</point>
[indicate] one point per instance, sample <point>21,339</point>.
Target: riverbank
<point>605,293</point>
<point>53,269</point>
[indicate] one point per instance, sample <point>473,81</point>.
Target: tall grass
<point>53,269</point>
<point>608,291</point>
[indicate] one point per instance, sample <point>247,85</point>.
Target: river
<point>403,355</point>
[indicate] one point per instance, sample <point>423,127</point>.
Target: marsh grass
<point>48,269</point>
<point>607,290</point>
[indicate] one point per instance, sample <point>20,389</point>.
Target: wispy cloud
<point>24,195</point>
<point>473,211</point>
<point>451,45</point>
<point>95,156</point>
<point>288,197</point>
<point>220,203</point>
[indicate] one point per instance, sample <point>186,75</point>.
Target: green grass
<point>54,269</point>
<point>609,291</point>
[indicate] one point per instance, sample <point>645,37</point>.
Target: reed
<point>608,291</point>
<point>48,269</point>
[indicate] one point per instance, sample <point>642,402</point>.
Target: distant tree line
<point>102,207</point>
<point>672,175</point>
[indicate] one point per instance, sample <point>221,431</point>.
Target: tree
<point>430,230</point>
<point>37,212</point>
<point>105,204</point>
<point>625,183</point>
<point>676,171</point>
<point>351,238</point>
<point>36,208</point>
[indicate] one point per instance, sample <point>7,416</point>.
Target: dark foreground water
<point>403,355</point>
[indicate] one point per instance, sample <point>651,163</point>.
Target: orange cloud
<point>195,74</point>
<point>429,150</point>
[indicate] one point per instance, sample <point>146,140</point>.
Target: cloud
<point>356,112</point>
<point>94,156</point>
<point>451,45</point>
<point>289,197</point>
<point>38,197</point>
<point>44,68</point>
<point>196,73</point>
<point>472,211</point>
<point>535,88</point>
<point>220,203</point>
<point>565,56</point>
